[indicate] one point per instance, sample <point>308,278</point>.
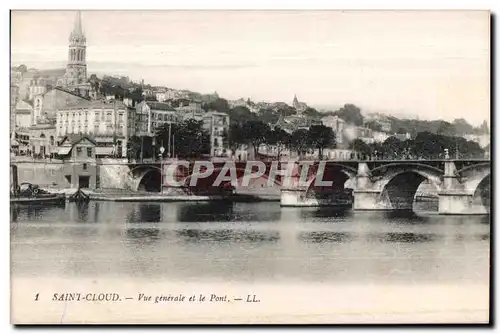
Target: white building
<point>483,140</point>
<point>217,124</point>
<point>109,123</point>
<point>380,119</point>
<point>192,107</point>
<point>24,114</point>
<point>37,87</point>
<point>152,115</point>
<point>380,137</point>
<point>251,106</point>
<point>338,126</point>
<point>161,96</point>
<point>172,94</point>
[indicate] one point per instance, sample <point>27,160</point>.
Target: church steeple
<point>77,34</point>
<point>76,69</point>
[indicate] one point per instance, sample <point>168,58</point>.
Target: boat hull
<point>55,199</point>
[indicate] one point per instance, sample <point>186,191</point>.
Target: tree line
<point>425,145</point>
<point>189,139</point>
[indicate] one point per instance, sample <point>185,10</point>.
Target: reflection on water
<point>406,237</point>
<point>325,236</point>
<point>145,213</point>
<point>143,235</point>
<point>225,211</point>
<point>325,212</point>
<point>225,235</point>
<point>247,242</point>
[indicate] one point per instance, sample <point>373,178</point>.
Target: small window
<point>84,166</point>
<point>78,150</point>
<point>89,151</point>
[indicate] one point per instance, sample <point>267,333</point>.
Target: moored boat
<point>31,194</point>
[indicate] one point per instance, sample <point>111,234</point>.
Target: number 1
<point>36,297</point>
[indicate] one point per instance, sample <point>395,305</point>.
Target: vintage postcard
<point>250,167</point>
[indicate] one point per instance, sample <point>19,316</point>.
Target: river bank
<point>121,195</point>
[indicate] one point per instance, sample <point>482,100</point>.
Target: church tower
<point>76,70</point>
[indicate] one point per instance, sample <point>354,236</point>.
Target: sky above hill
<point>427,64</point>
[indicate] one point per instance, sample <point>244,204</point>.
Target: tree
<point>299,141</point>
<point>351,114</point>
<point>483,129</point>
<point>219,105</point>
<point>446,129</point>
<point>136,95</point>
<point>188,138</point>
<point>105,88</point>
<point>373,125</point>
<point>256,133</point>
<point>462,127</point>
<point>393,148</point>
<point>285,110</point>
<point>134,147</point>
<point>235,136</point>
<point>427,145</point>
<point>361,148</point>
<point>241,115</point>
<point>118,92</point>
<point>95,83</point>
<point>22,68</point>
<point>312,113</point>
<point>402,130</point>
<point>279,138</point>
<point>268,116</point>
<point>321,137</point>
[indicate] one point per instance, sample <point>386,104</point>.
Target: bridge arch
<point>146,178</point>
<point>473,175</point>
<point>150,181</point>
<point>482,193</point>
<point>341,176</point>
<point>399,184</point>
<point>206,184</point>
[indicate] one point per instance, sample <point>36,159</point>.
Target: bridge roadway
<point>463,185</point>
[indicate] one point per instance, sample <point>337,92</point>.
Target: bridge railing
<point>285,159</point>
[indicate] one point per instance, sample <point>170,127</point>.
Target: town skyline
<point>237,64</point>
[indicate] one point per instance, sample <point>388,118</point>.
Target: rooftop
<point>159,106</point>
<point>84,103</point>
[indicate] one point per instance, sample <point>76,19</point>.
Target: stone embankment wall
<point>44,174</point>
<point>115,176</point>
<point>51,175</point>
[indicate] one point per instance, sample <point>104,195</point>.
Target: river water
<point>248,243</point>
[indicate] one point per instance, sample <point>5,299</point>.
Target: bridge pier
<point>293,196</point>
<point>455,203</point>
<point>453,198</point>
<point>169,190</point>
<point>365,197</point>
<point>367,200</point>
<point>172,172</point>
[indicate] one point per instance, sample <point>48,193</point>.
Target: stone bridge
<point>461,186</point>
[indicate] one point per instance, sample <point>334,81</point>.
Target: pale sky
<point>431,64</point>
